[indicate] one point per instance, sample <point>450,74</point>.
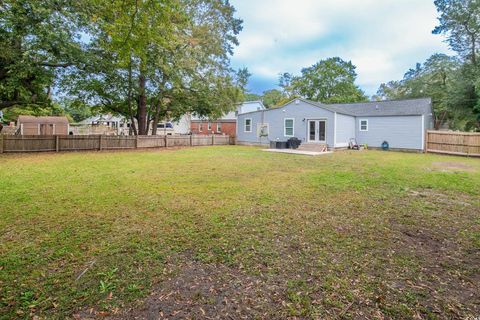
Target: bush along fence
<point>455,143</point>
<point>11,144</point>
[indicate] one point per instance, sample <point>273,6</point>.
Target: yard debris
<point>90,265</point>
<point>207,291</point>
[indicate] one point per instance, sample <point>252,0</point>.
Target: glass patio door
<point>317,131</point>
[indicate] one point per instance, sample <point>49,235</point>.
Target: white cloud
<point>383,38</point>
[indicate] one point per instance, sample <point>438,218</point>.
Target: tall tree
<point>442,78</point>
<point>252,97</point>
<point>460,21</point>
<point>286,82</point>
<point>272,98</point>
<point>39,40</point>
<point>329,81</point>
<point>159,59</point>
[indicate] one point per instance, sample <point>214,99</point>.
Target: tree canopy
<point>459,20</point>
<point>329,81</point>
<point>453,83</point>
<point>146,60</point>
<point>39,40</point>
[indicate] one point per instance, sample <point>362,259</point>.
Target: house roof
<point>229,116</point>
<point>232,115</point>
<point>249,102</point>
<point>33,119</point>
<point>408,107</point>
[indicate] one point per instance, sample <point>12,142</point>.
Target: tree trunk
<point>474,52</point>
<point>133,127</point>
<point>149,119</point>
<point>156,118</point>
<point>440,120</point>
<point>142,105</point>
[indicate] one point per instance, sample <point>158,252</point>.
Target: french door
<point>317,131</point>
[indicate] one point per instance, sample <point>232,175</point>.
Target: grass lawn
<point>236,232</point>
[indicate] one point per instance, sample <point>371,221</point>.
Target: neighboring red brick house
<point>226,125</point>
<point>214,127</point>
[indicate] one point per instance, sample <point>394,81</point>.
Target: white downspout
<point>335,130</point>
<point>423,132</point>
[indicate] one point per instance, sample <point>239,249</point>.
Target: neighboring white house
<point>118,125</point>
<point>250,106</point>
<point>182,126</point>
<point>101,124</point>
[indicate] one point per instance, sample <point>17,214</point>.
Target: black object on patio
<point>294,143</point>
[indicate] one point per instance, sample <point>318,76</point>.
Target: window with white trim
<point>289,127</point>
<point>219,127</point>
<point>209,127</point>
<point>200,127</point>
<point>363,125</point>
<point>248,125</point>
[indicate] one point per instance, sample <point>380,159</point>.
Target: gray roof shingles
<point>410,107</point>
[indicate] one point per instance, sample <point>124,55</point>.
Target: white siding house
<point>401,123</point>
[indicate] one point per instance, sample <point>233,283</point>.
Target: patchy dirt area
<point>447,271</point>
<point>448,278</point>
<point>195,290</point>
<point>441,199</point>
<point>452,167</point>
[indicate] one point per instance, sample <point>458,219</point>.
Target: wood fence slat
<point>456,143</point>
<point>103,142</point>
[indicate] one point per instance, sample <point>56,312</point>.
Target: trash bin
<point>282,145</point>
<point>294,143</point>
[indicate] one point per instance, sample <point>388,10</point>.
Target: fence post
<point>465,148</point>
<point>57,144</point>
<point>166,141</point>
<point>191,140</point>
<point>100,142</point>
<point>426,142</point>
<point>136,142</point>
<point>213,140</point>
<point>1,143</point>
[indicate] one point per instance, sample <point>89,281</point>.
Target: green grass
<point>347,233</point>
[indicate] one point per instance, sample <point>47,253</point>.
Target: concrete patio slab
<point>302,152</point>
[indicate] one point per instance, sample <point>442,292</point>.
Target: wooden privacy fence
<point>456,143</point>
<point>102,142</point>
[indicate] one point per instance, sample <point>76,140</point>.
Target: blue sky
<point>383,38</point>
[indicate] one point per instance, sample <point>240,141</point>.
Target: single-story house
<point>42,126</point>
<point>402,123</point>
<point>227,124</point>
